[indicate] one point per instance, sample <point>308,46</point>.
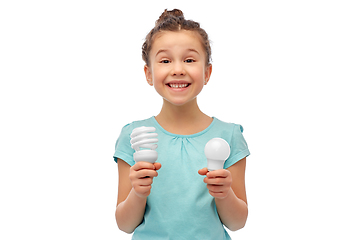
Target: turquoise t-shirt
<point>179,205</point>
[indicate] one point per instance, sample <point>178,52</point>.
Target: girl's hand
<point>218,182</point>
<point>141,177</point>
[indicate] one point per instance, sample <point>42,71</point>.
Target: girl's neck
<point>185,120</point>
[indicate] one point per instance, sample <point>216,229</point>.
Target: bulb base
<point>213,164</point>
<point>145,156</point>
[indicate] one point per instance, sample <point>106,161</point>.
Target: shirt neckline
<point>158,126</point>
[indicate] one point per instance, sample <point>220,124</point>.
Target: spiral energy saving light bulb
<point>143,141</point>
<point>217,150</point>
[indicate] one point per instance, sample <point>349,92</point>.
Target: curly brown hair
<point>174,21</point>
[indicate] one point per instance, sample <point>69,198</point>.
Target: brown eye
<point>189,60</point>
<point>165,61</point>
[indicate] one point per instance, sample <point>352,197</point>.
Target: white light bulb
<point>217,150</point>
<point>143,141</point>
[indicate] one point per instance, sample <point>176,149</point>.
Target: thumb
<point>203,171</point>
<point>157,165</point>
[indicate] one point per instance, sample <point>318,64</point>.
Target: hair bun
<point>175,21</point>
<point>176,13</point>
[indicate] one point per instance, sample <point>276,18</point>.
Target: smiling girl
<point>171,199</point>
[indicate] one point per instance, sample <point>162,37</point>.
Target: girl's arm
<point>227,186</point>
<point>134,187</point>
<point>233,209</point>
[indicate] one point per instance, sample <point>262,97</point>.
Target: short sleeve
<point>238,147</point>
<point>123,148</point>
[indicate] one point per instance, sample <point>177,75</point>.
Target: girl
<point>171,199</point>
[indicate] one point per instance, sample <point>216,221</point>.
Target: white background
<point>72,75</point>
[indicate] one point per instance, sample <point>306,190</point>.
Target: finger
<point>203,171</point>
<point>219,181</point>
<point>157,166</point>
<point>146,173</point>
<point>221,173</point>
<point>215,188</point>
<point>220,195</point>
<point>142,191</point>
<point>145,181</point>
<point>143,165</point>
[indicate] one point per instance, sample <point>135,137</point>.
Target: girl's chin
<point>179,102</point>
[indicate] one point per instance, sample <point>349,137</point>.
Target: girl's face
<point>178,68</point>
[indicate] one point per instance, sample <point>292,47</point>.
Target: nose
<point>178,69</point>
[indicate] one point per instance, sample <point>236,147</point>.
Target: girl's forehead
<point>168,39</point>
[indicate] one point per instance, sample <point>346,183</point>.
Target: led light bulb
<point>143,141</point>
<point>217,150</point>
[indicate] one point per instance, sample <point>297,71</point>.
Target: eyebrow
<point>160,51</point>
<point>164,51</point>
<point>193,50</point>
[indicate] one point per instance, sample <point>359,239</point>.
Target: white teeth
<point>176,85</point>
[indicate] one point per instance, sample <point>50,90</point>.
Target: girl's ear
<point>148,75</point>
<point>208,72</point>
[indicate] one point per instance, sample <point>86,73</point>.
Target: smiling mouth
<point>177,85</point>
